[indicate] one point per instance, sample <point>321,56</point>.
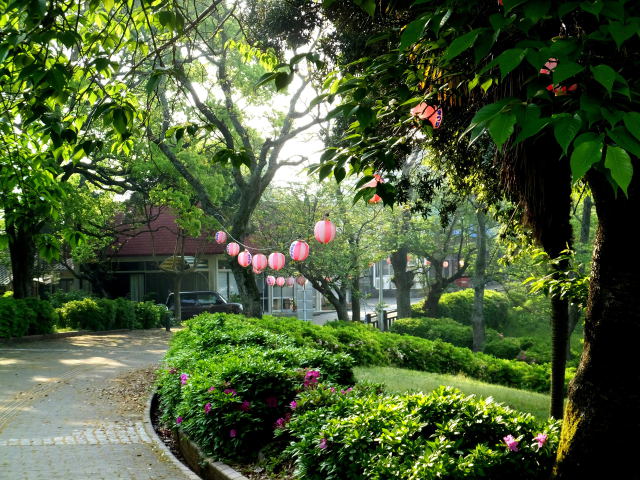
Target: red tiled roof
<point>161,239</point>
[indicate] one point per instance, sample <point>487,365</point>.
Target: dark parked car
<point>195,303</point>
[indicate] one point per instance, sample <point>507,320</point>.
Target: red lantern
<point>259,261</point>
<point>290,281</point>
<point>221,237</point>
<point>324,231</point>
<point>301,281</point>
<point>299,250</point>
<point>276,260</point>
<point>244,258</point>
<point>271,280</point>
<point>375,199</point>
<point>280,281</point>
<point>233,249</point>
<point>427,112</point>
<point>255,270</point>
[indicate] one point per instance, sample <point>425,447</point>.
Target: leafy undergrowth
<point>247,391</point>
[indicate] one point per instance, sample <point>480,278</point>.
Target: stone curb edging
<point>52,336</point>
<point>205,467</point>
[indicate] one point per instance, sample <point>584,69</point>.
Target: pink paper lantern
<point>290,281</point>
<point>271,280</point>
<point>424,111</point>
<point>233,249</point>
<point>276,260</point>
<point>256,270</point>
<point>280,281</point>
<point>299,250</point>
<point>259,261</point>
<point>445,264</point>
<point>244,258</point>
<point>301,281</point>
<point>324,231</point>
<point>375,199</point>
<point>221,237</point>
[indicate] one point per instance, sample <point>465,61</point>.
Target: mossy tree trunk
<point>603,411</point>
<point>479,280</point>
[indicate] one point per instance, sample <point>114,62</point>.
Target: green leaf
<point>618,162</point>
<point>282,79</point>
<point>339,174</point>
<point>531,123</point>
<point>632,122</point>
<point>108,4</point>
<point>325,170</point>
<point>565,70</point>
<point>413,32</point>
<point>462,44</point>
<point>565,129</point>
<point>534,11</point>
<point>587,151</point>
<point>365,116</point>
<point>119,120</point>
<point>152,83</point>
<point>510,59</point>
<point>165,17</point>
<point>501,127</point>
<point>623,138</point>
<point>605,75</point>
<point>593,8</point>
<point>620,32</point>
<point>368,6</point>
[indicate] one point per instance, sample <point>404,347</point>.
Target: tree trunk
<point>603,411</point>
<point>177,286</point>
<point>403,281</point>
<point>433,299</point>
<point>249,293</point>
<point>355,300</point>
<point>559,338</point>
<point>479,280</point>
<point>22,251</point>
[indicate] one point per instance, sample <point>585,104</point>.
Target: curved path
<point>55,424</point>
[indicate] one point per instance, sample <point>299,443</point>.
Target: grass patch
<point>398,380</point>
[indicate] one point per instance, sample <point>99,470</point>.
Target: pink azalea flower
<point>541,438</point>
<point>211,389</point>
<point>230,391</point>
<point>280,423</point>
<point>179,420</point>
<point>272,402</point>
<point>184,378</point>
<point>511,442</point>
<point>207,408</point>
<point>333,390</point>
<point>233,433</point>
<point>245,406</point>
<point>323,443</point>
<point>293,405</point>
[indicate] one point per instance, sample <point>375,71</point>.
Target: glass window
<point>209,298</point>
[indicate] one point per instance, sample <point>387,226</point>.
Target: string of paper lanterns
<point>324,232</point>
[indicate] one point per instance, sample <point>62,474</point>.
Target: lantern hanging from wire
<point>271,280</point>
<point>301,281</point>
<point>280,281</point>
<point>276,260</point>
<point>424,111</point>
<point>445,264</point>
<point>259,261</point>
<point>221,237</point>
<point>256,270</point>
<point>299,250</point>
<point>325,230</point>
<point>290,281</point>
<point>233,249</point>
<point>244,258</point>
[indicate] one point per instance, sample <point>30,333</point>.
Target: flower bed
<point>238,388</point>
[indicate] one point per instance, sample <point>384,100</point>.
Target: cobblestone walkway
<point>53,425</point>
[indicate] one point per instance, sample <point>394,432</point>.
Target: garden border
<point>204,466</point>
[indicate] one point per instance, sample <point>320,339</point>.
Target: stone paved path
<point>54,426</point>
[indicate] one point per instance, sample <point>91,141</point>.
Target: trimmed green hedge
<point>444,434</point>
<point>26,316</point>
<point>240,386</point>
<point>105,314</point>
<point>459,305</point>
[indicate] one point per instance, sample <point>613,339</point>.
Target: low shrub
<point>231,386</point>
<point>507,347</point>
<point>25,316</point>
<point>59,297</point>
<point>149,315</point>
<point>124,313</point>
<point>445,434</point>
<point>458,306</point>
<point>84,314</point>
<point>11,325</point>
<point>445,329</point>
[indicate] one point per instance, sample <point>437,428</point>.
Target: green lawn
<point>398,380</point>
